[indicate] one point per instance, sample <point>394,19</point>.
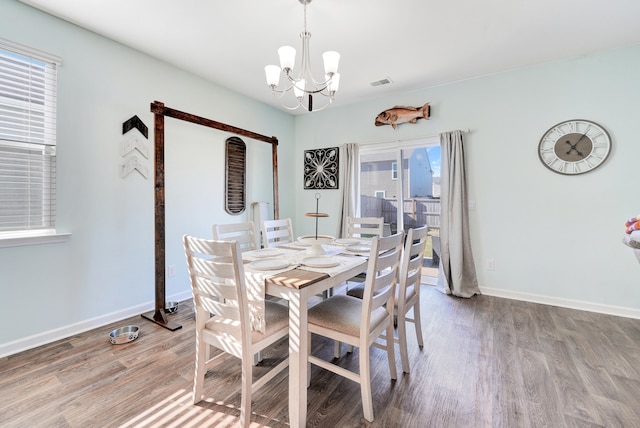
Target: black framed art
<point>321,168</point>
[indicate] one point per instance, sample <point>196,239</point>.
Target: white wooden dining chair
<point>407,291</point>
<point>248,240</point>
<point>365,227</point>
<point>244,233</point>
<point>359,322</point>
<point>277,232</point>
<point>218,284</point>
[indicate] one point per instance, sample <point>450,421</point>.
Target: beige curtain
<point>457,273</point>
<point>350,183</point>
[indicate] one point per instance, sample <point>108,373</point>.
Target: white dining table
<point>298,286</point>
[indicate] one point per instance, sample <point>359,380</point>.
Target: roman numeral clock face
<point>574,147</point>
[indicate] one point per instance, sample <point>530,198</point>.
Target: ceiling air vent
<point>381,82</point>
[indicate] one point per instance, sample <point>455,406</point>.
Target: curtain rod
<point>464,131</point>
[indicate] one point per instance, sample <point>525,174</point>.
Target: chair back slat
<point>216,288</point>
<point>219,267</point>
<point>226,309</point>
<point>282,234</point>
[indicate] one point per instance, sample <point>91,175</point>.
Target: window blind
<point>28,88</point>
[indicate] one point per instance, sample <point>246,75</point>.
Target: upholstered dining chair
<point>407,291</point>
<point>359,322</point>
<point>218,284</point>
<point>277,232</point>
<point>244,233</point>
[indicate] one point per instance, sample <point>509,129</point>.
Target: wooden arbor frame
<point>160,111</point>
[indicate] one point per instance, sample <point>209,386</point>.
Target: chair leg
<point>365,382</point>
<point>391,354</point>
<point>327,293</point>
<point>201,369</point>
<point>308,363</point>
<point>337,347</point>
<point>245,400</point>
<point>402,341</point>
<point>417,320</point>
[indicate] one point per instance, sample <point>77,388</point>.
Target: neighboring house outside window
<point>28,90</point>
<point>380,194</point>
<point>394,171</point>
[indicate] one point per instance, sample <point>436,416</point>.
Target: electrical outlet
<point>491,264</point>
<point>171,271</point>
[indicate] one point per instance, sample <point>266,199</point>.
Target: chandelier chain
<point>305,17</point>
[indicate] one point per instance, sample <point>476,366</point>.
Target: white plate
<point>269,264</point>
<point>347,241</point>
<point>359,248</point>
<point>320,262</point>
<point>267,252</point>
<point>310,240</point>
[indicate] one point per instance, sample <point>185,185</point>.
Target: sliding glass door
<point>401,183</point>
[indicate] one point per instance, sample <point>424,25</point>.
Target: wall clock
<point>574,147</point>
<point>321,168</point>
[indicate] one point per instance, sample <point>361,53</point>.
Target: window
<point>27,141</point>
<point>411,197</point>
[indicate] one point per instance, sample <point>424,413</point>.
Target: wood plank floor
<point>487,362</point>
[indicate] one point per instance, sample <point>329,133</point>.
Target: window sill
<point>18,240</point>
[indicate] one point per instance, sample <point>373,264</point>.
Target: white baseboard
<point>619,311</point>
<point>34,341</point>
<point>46,337</point>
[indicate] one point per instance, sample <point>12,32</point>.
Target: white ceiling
<point>415,43</point>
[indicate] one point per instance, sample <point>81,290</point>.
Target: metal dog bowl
<point>170,307</point>
<point>125,334</point>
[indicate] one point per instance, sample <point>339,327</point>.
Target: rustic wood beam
<point>160,111</point>
<point>159,108</point>
<point>158,315</point>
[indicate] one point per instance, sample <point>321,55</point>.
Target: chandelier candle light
<point>304,83</point>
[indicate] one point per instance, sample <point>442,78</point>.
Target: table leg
<point>298,358</point>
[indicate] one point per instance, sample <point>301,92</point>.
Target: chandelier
<point>304,83</point>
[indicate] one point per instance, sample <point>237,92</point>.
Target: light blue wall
<point>108,263</point>
<point>554,238</point>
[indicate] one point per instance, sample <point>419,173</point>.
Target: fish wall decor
<point>402,114</point>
